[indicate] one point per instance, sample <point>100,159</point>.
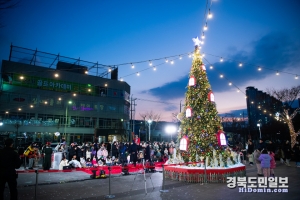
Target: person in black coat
<point>261,145</point>
<point>147,152</point>
<point>250,151</point>
<point>79,153</point>
<point>9,162</point>
<point>72,151</point>
<point>114,149</point>
<point>133,150</point>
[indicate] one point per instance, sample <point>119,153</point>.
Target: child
<point>63,163</point>
<point>94,162</point>
<point>100,163</point>
<point>108,161</point>
<point>74,163</point>
<point>88,163</point>
<point>265,160</point>
<point>82,162</point>
<point>88,154</point>
<point>272,163</point>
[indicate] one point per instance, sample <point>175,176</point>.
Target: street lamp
<point>66,122</point>
<point>259,130</point>
<point>171,130</point>
<point>149,125</point>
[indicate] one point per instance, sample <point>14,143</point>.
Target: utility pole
<point>180,107</point>
<point>132,114</point>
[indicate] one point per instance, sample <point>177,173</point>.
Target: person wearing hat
<point>47,152</point>
<point>9,162</point>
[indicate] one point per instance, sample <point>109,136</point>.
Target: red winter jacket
<point>272,162</point>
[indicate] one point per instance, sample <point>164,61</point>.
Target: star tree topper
<point>196,41</point>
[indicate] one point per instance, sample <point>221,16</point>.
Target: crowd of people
<point>95,154</point>
<point>118,153</point>
<point>265,153</point>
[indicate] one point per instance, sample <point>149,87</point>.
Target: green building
<point>46,97</point>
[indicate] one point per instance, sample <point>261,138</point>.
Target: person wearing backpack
<point>29,154</point>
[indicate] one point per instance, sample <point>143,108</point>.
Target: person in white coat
<point>64,162</point>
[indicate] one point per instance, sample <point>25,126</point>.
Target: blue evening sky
<point>258,32</point>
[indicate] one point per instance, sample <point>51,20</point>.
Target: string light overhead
<point>209,14</point>
<point>205,27</point>
<point>132,66</point>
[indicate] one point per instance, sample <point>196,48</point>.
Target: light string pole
<point>110,196</point>
<point>36,183</point>
<point>163,190</point>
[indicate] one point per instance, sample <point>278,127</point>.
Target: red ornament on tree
<point>211,96</point>
<point>221,138</point>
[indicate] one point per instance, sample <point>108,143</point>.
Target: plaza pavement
<point>78,185</point>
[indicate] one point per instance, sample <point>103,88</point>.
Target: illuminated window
<point>222,139</point>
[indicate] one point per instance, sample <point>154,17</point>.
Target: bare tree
<point>287,97</point>
<point>150,116</point>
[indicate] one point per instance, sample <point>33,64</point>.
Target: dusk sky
<point>262,33</point>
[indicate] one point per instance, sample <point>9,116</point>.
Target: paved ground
<point>78,185</point>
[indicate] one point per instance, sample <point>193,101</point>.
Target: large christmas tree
<point>200,121</point>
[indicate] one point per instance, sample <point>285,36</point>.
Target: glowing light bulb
<point>211,67</point>
<point>138,74</point>
<point>167,60</point>
<point>172,62</point>
<point>21,77</point>
<point>150,63</point>
<point>205,27</point>
<point>180,57</point>
<point>296,77</point>
<point>209,14</point>
<point>241,64</point>
<point>31,106</point>
<point>230,83</point>
<point>109,69</point>
<point>190,55</point>
<point>56,75</point>
<point>221,76</point>
<point>203,55</point>
<point>154,68</point>
<point>238,90</point>
<point>221,60</point>
<point>202,36</point>
<point>132,66</point>
<point>74,94</point>
<point>121,79</point>
<point>59,99</point>
<point>259,69</point>
<point>86,72</point>
<point>277,73</point>
<point>19,109</point>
